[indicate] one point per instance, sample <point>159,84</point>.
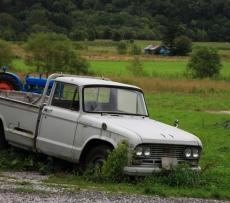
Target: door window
<point>66,96</point>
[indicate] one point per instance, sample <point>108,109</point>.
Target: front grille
<point>158,151</point>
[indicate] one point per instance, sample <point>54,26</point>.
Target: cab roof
<point>86,81</point>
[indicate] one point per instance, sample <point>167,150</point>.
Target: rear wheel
<point>6,86</point>
<point>8,83</point>
<point>97,156</point>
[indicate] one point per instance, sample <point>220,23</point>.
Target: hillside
<point>201,20</point>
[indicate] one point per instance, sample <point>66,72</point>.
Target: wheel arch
<point>92,143</point>
<point>2,123</point>
<point>2,128</point>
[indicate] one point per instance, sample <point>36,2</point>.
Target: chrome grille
<point>165,150</point>
<point>173,151</point>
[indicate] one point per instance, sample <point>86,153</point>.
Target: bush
<point>183,45</point>
<point>204,62</point>
<point>122,48</point>
<point>116,36</point>
<point>136,67</point>
<point>6,54</point>
<point>112,169</point>
<point>117,160</point>
<point>78,35</point>
<point>135,50</point>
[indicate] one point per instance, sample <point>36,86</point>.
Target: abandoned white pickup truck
<point>84,118</point>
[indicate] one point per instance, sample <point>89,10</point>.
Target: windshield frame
<point>109,112</point>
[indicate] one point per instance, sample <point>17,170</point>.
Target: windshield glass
<point>114,100</point>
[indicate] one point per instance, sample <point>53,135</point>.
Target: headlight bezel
<point>188,153</point>
<point>146,151</point>
<point>142,151</point>
<point>139,151</point>
<point>194,152</point>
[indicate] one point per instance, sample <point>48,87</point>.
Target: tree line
<point>200,20</point>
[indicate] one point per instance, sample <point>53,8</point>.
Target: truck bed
<point>19,113</point>
<point>24,97</point>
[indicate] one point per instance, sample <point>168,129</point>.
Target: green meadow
<point>153,68</point>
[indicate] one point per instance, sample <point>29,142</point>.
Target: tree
<point>78,34</point>
<point>137,19</point>
<point>116,36</point>
<point>122,48</point>
<point>135,49</point>
<point>204,62</point>
<point>6,55</point>
<point>177,43</point>
<point>169,35</point>
<point>136,67</point>
<point>54,52</point>
<point>183,45</point>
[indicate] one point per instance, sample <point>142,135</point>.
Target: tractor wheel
<point>8,83</point>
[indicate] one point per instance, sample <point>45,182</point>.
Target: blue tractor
<point>11,81</point>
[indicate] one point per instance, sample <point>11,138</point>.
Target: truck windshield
<point>114,100</point>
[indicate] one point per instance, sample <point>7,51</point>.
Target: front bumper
<point>145,171</point>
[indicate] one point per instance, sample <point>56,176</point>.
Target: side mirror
<point>176,123</point>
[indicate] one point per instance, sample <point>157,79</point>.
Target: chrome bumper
<point>145,171</point>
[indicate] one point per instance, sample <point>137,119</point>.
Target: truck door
<point>59,122</point>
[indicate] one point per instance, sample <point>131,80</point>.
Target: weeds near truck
<point>116,161</point>
<point>112,169</point>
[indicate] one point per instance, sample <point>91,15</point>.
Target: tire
<point>3,142</point>
<point>9,83</point>
<point>97,156</point>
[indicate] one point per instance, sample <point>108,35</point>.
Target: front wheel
<point>97,156</point>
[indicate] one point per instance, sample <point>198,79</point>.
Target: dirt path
<point>27,187</point>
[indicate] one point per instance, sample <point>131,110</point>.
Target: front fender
<point>79,150</point>
<point>3,121</point>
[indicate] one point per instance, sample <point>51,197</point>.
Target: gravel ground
<point>90,197</point>
<point>28,188</point>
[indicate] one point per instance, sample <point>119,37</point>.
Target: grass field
<point>104,60</point>
<point>107,47</point>
<point>208,127</point>
<point>213,129</point>
<point>158,68</point>
<point>153,68</point>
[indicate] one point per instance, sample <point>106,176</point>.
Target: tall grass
<point>149,84</point>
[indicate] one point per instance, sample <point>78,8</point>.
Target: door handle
<point>48,110</point>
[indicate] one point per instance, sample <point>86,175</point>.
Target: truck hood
<point>149,131</point>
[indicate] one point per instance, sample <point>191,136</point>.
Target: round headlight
<point>195,153</point>
<point>139,151</point>
<point>188,153</point>
<point>147,151</point>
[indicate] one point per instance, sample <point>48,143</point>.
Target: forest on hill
<point>201,20</point>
